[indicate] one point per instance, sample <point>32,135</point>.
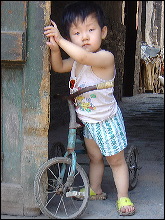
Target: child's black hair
<point>81,9</point>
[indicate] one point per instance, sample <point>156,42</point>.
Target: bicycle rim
<point>53,202</point>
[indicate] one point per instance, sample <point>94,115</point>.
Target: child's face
<point>87,34</point>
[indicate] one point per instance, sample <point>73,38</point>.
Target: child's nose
<point>85,36</point>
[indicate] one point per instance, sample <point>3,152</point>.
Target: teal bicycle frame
<point>73,125</point>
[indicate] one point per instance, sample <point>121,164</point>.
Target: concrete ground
<point>144,120</point>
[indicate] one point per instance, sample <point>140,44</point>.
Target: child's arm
<point>59,65</point>
<point>101,59</point>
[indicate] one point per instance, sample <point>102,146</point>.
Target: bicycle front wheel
<point>53,197</point>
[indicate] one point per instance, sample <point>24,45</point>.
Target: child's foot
<point>125,206</point>
<point>95,196</point>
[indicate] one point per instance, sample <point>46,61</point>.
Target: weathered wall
<point>136,89</point>
<point>35,100</point>
<point>25,105</point>
<point>153,35</point>
<point>154,28</point>
<point>162,27</point>
<point>115,42</point>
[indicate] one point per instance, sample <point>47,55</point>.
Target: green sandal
<point>93,195</point>
<point>124,201</point>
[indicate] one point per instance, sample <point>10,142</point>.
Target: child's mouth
<point>86,45</point>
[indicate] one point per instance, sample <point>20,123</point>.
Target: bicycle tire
<point>59,206</point>
<point>132,162</point>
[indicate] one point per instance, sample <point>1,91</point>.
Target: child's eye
<point>90,30</point>
<point>77,33</point>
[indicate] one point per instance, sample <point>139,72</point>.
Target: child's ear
<point>104,32</point>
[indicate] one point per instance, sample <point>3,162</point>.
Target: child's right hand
<point>52,44</point>
<point>54,35</point>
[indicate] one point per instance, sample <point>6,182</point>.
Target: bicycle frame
<point>73,125</point>
<point>58,182</point>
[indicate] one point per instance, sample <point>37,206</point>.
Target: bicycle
<point>58,181</point>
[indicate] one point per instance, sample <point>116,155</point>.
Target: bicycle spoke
<point>61,203</point>
<point>52,173</point>
<point>58,205</point>
<point>50,200</point>
<point>64,207</point>
<point>59,169</point>
<point>73,202</point>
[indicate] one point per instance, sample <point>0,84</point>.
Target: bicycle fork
<point>70,150</point>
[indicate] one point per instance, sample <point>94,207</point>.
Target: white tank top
<point>93,106</point>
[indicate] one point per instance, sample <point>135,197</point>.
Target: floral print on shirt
<point>84,103</point>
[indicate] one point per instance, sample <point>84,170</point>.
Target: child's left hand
<point>52,31</point>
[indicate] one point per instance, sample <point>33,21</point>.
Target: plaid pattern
<point>109,134</point>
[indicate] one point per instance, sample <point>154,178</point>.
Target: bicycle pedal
<point>75,194</point>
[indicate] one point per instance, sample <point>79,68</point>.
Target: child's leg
<point>120,173</point>
<point>121,177</point>
<point>96,165</point>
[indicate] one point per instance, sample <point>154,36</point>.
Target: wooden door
<point>24,101</point>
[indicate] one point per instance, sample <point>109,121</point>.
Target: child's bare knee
<point>96,158</point>
<point>115,161</point>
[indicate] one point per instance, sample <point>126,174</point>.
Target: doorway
<point>59,111</point>
<point>130,47</point>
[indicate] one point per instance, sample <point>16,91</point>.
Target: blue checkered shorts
<point>109,134</point>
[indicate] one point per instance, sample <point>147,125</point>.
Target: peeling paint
<point>42,117</point>
<point>25,127</point>
<point>12,127</point>
<point>47,11</point>
<point>36,131</point>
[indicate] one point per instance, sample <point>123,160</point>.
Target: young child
<point>104,130</point>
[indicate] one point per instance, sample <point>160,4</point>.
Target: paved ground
<point>144,121</point>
